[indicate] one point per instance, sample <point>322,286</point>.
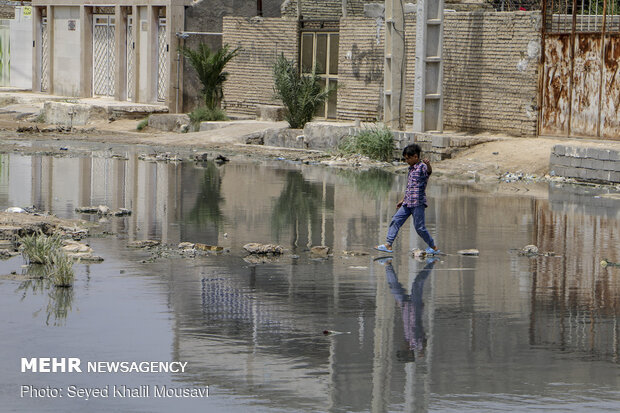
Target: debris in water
<point>355,253</point>
<point>15,210</point>
<point>201,157</point>
<point>332,332</point>
<point>606,263</point>
<point>221,159</point>
<point>472,252</point>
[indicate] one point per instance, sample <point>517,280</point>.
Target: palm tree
<point>209,67</point>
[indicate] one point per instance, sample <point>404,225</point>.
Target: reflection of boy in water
<point>412,307</point>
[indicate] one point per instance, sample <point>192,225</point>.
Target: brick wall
<point>324,9</point>
<point>250,80</point>
<point>360,70</point>
<point>490,70</point>
<point>7,12</point>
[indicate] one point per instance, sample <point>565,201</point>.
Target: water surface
<point>489,333</point>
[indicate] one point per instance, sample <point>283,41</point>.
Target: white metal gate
<point>44,56</point>
<point>130,58</point>
<point>162,61</point>
<point>104,62</point>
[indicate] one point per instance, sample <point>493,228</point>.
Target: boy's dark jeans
<point>401,216</point>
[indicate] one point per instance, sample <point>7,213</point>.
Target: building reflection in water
<point>575,300</point>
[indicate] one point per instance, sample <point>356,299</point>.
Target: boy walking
<point>414,201</point>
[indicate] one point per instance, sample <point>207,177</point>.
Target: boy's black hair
<point>413,149</point>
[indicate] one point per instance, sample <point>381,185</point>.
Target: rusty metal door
<point>580,89</point>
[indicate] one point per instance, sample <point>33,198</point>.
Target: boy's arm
<point>428,166</point>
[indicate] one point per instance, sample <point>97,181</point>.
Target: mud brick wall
<point>360,70</point>
<point>490,70</point>
<point>596,164</point>
<point>250,80</point>
<point>324,9</point>
<point>7,12</point>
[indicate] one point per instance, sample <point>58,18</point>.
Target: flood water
<point>498,332</point>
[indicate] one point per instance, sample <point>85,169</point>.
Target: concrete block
<point>614,166</point>
<point>284,137</point>
<point>271,113</point>
<point>559,150</point>
<point>614,177</point>
<point>324,135</point>
<point>555,159</point>
<point>72,114</point>
<point>169,122</point>
<point>614,155</point>
<point>575,162</point>
<point>441,141</point>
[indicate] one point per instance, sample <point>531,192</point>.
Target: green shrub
<point>204,114</point>
<point>60,269</point>
<point>143,124</point>
<point>374,142</point>
<point>38,248</point>
<point>300,94</point>
<point>209,67</point>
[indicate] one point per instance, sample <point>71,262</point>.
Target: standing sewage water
<point>496,332</point>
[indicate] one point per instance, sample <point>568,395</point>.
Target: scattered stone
<point>532,251</point>
<point>186,245</point>
<point>34,129</point>
<point>7,253</point>
<point>15,210</point>
<point>159,157</point>
<point>87,210</point>
<point>320,250</point>
<point>256,248</point>
<point>85,256</point>
<point>103,210</point>
<point>143,244</point>
<point>355,253</point>
<point>121,212</point>
<point>200,157</point>
<point>211,248</point>
<point>71,246</point>
<point>472,252</point>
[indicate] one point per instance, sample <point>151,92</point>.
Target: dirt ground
<point>485,162</point>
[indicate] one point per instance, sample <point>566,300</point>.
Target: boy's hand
<point>400,203</point>
<point>428,166</point>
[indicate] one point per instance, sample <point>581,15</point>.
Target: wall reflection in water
<point>575,300</point>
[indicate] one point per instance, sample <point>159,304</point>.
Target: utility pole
<point>259,8</point>
<point>344,9</point>
<point>428,82</point>
<point>394,65</point>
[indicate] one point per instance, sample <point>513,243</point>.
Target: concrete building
<point>124,49</point>
<point>128,49</point>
